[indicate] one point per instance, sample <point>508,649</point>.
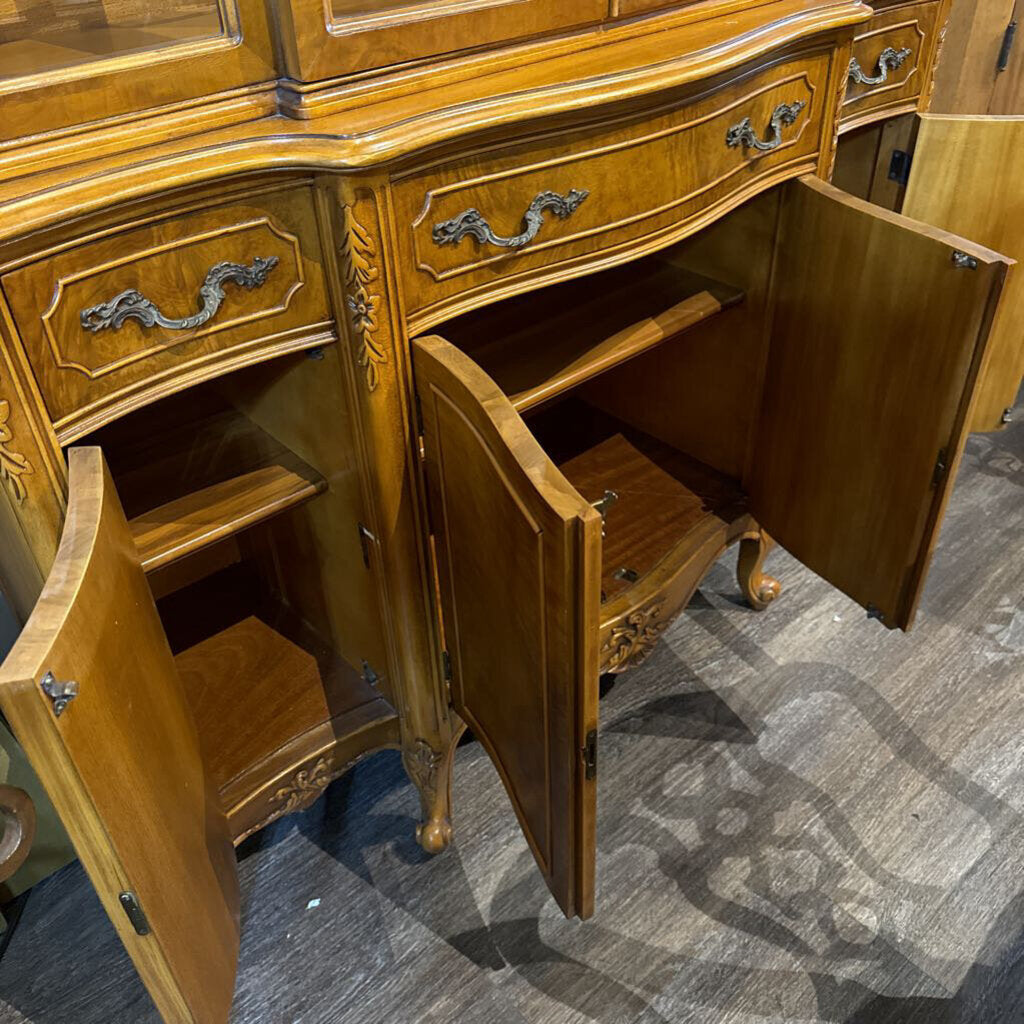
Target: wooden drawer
<point>629,185</point>
<point>129,314</point>
<point>892,62</point>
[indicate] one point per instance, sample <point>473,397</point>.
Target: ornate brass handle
<point>888,60</point>
<point>211,294</point>
<point>743,134</point>
<point>471,222</point>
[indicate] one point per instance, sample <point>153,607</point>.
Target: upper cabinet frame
<point>104,87</point>
<point>324,39</point>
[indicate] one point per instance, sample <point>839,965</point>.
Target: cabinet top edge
<point>383,131</point>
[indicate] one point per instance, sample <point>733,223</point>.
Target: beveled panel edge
<point>893,85</point>
<point>95,373</point>
<point>743,163</point>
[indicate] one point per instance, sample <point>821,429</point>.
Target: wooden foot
<point>759,590</point>
<point>431,773</point>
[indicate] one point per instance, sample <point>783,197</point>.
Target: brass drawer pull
<point>471,222</point>
<point>134,304</point>
<point>888,60</point>
<point>743,134</point>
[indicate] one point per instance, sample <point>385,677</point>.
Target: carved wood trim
<point>358,253</point>
<point>631,643</point>
<point>13,465</point>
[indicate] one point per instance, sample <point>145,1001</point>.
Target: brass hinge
<point>366,538</point>
<point>130,903</point>
<point>446,664</point>
<point>941,468</point>
<point>590,755</point>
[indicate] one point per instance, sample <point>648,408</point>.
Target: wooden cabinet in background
<point>417,381</point>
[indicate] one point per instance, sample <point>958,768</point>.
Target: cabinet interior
<point>239,513</point>
<point>641,384</point>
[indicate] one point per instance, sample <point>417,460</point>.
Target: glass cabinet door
<point>364,34</point>
<point>103,58</point>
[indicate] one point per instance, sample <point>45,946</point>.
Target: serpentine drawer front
<point>126,315</point>
<point>892,62</point>
<point>489,223</point>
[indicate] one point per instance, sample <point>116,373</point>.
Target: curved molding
<point>329,143</point>
<point>742,162</point>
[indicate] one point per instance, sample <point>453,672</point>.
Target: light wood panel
<point>122,763</point>
<point>877,341</point>
<point>519,563</point>
<point>963,180</point>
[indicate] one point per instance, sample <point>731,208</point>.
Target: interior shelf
<point>661,494</point>
<point>540,345</point>
<point>191,471</point>
<point>267,691</point>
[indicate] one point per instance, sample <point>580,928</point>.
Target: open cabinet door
<point>880,326</point>
<point>518,553</point>
<point>965,179</point>
<point>121,758</point>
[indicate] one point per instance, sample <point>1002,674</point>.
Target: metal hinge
<point>590,755</point>
<point>366,538</point>
<point>941,468</point>
<point>130,903</point>
<point>899,167</point>
<point>1007,47</point>
<point>369,675</point>
<point>446,665</point>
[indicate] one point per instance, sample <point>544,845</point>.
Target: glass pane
<point>45,35</point>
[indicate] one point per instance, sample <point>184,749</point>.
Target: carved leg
<point>759,590</point>
<point>431,773</point>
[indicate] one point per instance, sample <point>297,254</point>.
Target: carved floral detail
<point>13,465</point>
<point>631,643</point>
<point>304,789</point>
<point>357,254</point>
<point>423,762</point>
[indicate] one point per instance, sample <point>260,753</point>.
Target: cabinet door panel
<point>962,181</point>
<point>518,554</point>
<point>121,761</point>
<point>877,342</point>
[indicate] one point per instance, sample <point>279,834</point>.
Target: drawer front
<point>891,61</point>
<point>135,313</point>
<point>612,191</point>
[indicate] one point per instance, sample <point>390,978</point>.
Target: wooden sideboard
<point>366,380</point>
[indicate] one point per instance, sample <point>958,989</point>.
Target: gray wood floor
<point>803,817</point>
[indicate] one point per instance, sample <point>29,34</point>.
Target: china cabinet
<point>373,370</point>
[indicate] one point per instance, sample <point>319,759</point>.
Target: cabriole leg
<point>430,770</point>
<point>759,590</point>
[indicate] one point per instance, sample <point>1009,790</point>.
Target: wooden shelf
<point>541,345</point>
<point>270,697</point>
<point>664,496</point>
<point>191,471</point>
